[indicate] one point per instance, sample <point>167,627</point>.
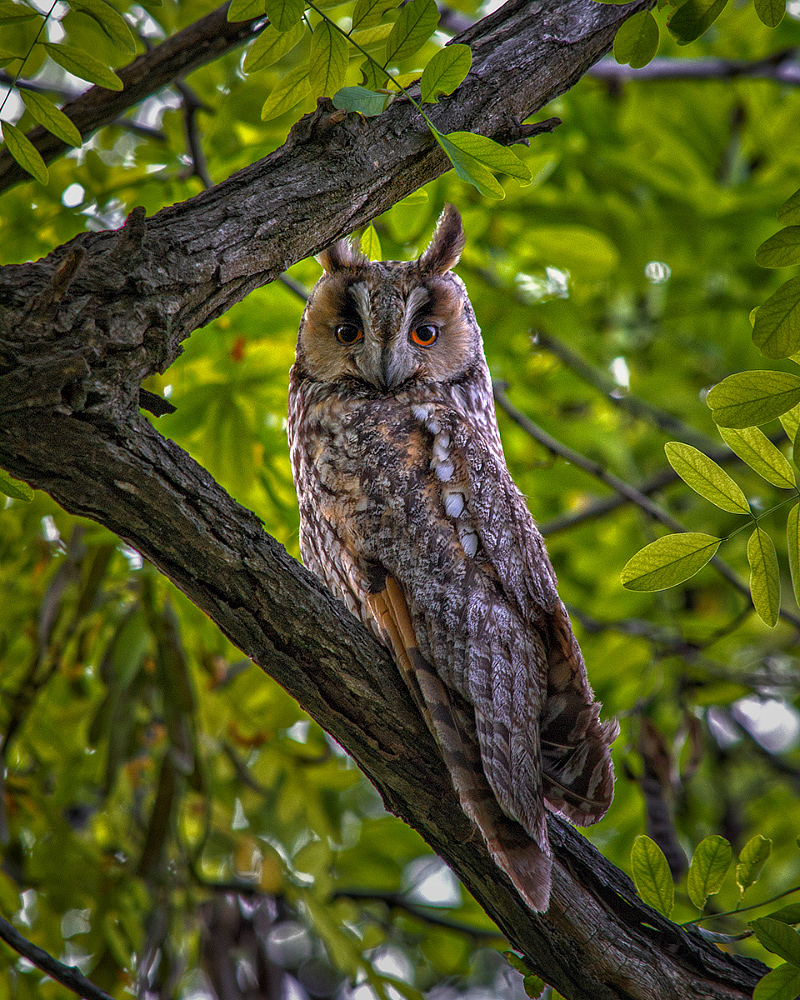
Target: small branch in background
<point>294,286</point>
<point>191,105</point>
<point>561,450</point>
<point>782,67</point>
<point>637,407</point>
<point>65,96</point>
<point>396,901</point>
<point>632,494</point>
<point>67,975</point>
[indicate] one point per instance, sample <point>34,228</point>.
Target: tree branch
<point>782,67</point>
<point>67,975</point>
<point>81,329</point>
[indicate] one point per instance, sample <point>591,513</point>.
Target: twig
<point>397,901</point>
<point>780,67</point>
<point>191,105</point>
<point>294,286</point>
<point>67,975</point>
<point>637,407</point>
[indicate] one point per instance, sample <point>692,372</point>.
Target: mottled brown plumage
<point>409,515</point>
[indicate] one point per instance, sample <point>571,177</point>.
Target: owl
<point>410,516</point>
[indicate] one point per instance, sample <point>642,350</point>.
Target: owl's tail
<point>526,861</point>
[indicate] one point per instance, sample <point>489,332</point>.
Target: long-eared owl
<point>409,515</point>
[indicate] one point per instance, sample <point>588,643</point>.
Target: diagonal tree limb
<point>82,328</point>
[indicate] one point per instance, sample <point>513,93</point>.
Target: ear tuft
<point>447,243</point>
<point>341,255</point>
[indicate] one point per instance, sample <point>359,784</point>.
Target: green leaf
<point>765,580</point>
<point>293,88</point>
<point>752,858</point>
<point>791,422</point>
<point>6,57</point>
<point>793,547</point>
<point>474,157</point>
<point>693,18</point>
<point>54,120</point>
<point>245,10</point>
<point>782,983</point>
<point>327,63</point>
<point>751,398</point>
<point>111,21</point>
<point>445,72</point>
<point>370,244</point>
<point>778,937</point>
<point>710,864</point>
<point>371,38</point>
<point>372,76</point>
<point>15,488</point>
<point>533,986</point>
<point>636,41</point>
<point>365,102</point>
<point>284,14</point>
<point>788,914</point>
<point>415,25</point>
<point>776,331</point>
<point>369,12</point>
<point>770,12</point>
<point>25,153</point>
<point>652,875</point>
<point>668,561</point>
<point>705,477</point>
<point>271,45</point>
<point>789,212</point>
<point>13,13</point>
<point>780,250</point>
<point>754,447</point>
<point>81,64</point>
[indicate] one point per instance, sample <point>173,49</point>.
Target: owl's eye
<point>347,333</point>
<point>425,336</point>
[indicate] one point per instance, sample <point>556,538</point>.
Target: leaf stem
<point>376,64</point>
<point>744,909</point>
<point>28,54</point>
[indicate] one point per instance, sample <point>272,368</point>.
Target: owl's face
<point>382,327</point>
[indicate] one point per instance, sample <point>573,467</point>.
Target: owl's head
<point>385,326</point>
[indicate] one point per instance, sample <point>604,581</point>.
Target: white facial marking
<point>418,297</point>
<point>361,295</point>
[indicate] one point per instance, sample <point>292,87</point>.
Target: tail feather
<point>526,861</point>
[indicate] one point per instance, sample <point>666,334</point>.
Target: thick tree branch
<point>80,329</point>
<point>200,43</point>
<point>335,173</point>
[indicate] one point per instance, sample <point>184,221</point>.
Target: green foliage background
<point>147,763</point>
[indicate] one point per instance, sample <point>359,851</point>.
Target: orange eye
<point>347,333</point>
<point>425,336</point>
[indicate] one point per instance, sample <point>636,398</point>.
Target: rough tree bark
<point>82,328</point>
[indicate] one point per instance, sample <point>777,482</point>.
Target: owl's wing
<point>527,864</point>
<point>544,667</point>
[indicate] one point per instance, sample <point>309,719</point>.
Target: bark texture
<point>79,331</point>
